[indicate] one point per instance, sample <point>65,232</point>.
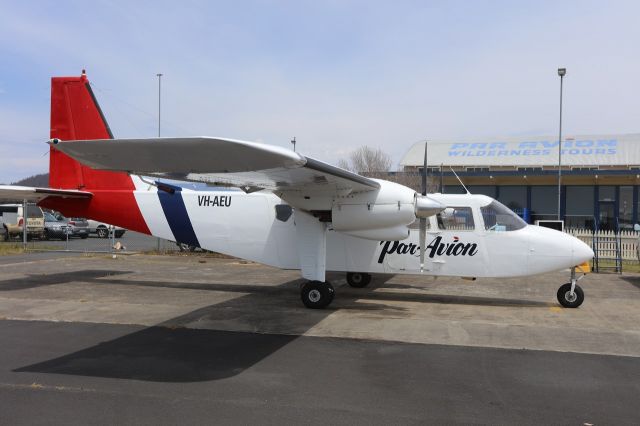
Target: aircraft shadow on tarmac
<point>43,280</point>
<point>634,281</point>
<point>173,351</point>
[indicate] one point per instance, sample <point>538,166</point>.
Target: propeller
<point>423,220</point>
<point>424,208</point>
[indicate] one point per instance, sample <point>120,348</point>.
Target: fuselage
<point>261,227</point>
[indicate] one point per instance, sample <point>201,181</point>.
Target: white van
<point>12,220</point>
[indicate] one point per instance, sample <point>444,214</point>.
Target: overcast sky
<point>334,74</point>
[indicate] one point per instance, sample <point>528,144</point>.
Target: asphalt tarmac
<point>195,340</point>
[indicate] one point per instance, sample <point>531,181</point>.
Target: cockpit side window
<point>456,219</point>
<point>498,217</point>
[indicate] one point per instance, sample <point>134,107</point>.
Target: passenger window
<point>499,218</point>
<point>456,219</point>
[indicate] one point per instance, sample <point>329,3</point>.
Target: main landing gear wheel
<point>569,299</point>
<point>317,294</point>
<point>358,279</point>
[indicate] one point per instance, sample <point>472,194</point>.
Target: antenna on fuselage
<point>459,180</point>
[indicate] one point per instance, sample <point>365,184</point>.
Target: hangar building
<point>600,175</point>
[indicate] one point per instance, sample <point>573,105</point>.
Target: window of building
<point>514,197</point>
<point>484,190</point>
<point>579,207</point>
<point>454,189</point>
<point>456,219</point>
<point>529,169</point>
<point>625,207</point>
<point>497,217</point>
<point>544,200</point>
<point>606,193</point>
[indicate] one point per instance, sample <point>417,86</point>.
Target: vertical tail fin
<point>75,114</point>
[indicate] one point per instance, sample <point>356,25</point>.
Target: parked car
<point>79,225</point>
<point>12,221</point>
<point>102,229</point>
<point>55,228</point>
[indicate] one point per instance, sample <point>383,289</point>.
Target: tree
<point>367,162</point>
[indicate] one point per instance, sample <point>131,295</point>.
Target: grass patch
<point>11,248</point>
<point>16,248</point>
<point>631,266</point>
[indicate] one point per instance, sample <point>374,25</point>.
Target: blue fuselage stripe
<point>176,213</point>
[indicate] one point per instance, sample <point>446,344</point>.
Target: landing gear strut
<point>358,279</point>
<point>317,294</point>
<point>570,295</point>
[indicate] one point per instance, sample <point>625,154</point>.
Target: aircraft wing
<point>217,161</point>
<point>13,193</point>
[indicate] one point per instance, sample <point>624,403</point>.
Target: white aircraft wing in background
<point>217,161</point>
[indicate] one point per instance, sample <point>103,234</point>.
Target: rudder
<point>76,114</point>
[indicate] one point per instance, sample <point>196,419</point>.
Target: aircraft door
<point>453,245</point>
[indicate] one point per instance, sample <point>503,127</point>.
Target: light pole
<point>561,73</point>
<point>159,75</point>
<point>293,142</point>
<point>159,98</point>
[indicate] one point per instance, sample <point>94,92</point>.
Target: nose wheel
<point>317,294</point>
<point>570,295</point>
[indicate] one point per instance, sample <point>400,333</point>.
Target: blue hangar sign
<point>535,148</point>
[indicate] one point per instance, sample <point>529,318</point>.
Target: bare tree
<point>367,162</point>
<point>375,163</point>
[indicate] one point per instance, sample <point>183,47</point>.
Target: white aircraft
<point>291,212</point>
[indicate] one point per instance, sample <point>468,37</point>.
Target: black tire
<point>119,234</point>
<point>7,237</point>
<point>565,299</point>
<point>358,279</point>
<point>46,235</point>
<point>84,237</point>
<point>317,294</point>
<point>102,232</point>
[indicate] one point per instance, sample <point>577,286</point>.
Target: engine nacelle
<point>384,211</point>
<point>385,234</point>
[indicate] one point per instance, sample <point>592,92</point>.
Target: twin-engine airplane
<point>290,211</point>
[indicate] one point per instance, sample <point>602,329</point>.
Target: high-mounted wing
<point>216,161</point>
<point>13,193</point>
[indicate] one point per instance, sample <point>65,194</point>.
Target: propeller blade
<point>424,171</point>
<point>423,241</point>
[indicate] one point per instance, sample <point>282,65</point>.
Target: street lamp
<point>561,72</point>
<point>159,75</point>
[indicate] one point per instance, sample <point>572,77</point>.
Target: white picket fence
<point>628,242</point>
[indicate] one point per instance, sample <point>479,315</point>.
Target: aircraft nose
<point>581,252</point>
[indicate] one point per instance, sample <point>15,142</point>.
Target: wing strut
<point>311,236</point>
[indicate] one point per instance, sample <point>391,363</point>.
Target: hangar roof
<point>583,150</point>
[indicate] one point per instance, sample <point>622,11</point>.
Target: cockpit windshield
<point>498,217</point>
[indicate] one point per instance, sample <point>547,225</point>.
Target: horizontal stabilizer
<point>12,193</point>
